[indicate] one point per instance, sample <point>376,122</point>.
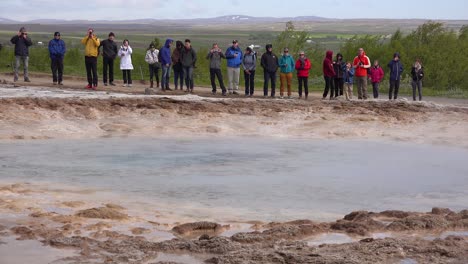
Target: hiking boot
<point>88,86</point>
<point>213,92</point>
<point>224,93</point>
<point>151,84</point>
<point>60,83</point>
<point>111,84</point>
<point>235,92</point>
<point>27,80</point>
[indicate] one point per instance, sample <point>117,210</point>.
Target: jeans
<point>233,78</point>
<point>303,81</point>
<point>188,73</point>
<point>57,70</point>
<point>329,86</point>
<point>108,63</point>
<point>417,84</point>
<point>127,76</point>
<point>25,60</point>
<point>269,76</point>
<point>154,71</point>
<point>91,70</point>
<point>249,79</point>
<point>361,82</point>
<point>179,77</point>
<point>285,79</point>
<point>216,73</point>
<point>166,73</point>
<point>394,87</point>
<point>375,89</point>
<point>339,83</point>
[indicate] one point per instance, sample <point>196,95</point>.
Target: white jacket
<point>126,59</point>
<point>152,56</point>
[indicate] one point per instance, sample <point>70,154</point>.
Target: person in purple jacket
<point>166,64</point>
<point>57,51</point>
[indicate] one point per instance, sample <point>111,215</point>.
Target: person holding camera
<point>91,43</point>
<point>215,55</point>
<point>361,64</point>
<point>152,59</point>
<point>234,61</point>
<point>22,43</point>
<point>57,51</point>
<point>109,53</point>
<point>125,54</point>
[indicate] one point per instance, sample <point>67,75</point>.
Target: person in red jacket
<point>328,74</point>
<point>376,76</point>
<point>361,63</point>
<point>303,66</point>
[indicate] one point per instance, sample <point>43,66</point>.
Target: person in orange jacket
<point>361,64</point>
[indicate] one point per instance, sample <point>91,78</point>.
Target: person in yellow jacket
<point>91,43</point>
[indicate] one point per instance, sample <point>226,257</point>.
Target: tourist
<point>303,66</point>
<point>348,74</point>
<point>269,62</point>
<point>125,54</point>
<point>109,53</point>
<point>338,66</point>
<point>286,63</point>
<point>177,66</point>
<point>215,55</point>
<point>234,60</point>
<point>361,64</point>
<point>417,74</point>
<point>249,64</point>
<point>91,43</point>
<point>22,43</point>
<point>328,74</point>
<point>376,76</point>
<point>57,51</point>
<point>396,69</point>
<point>153,63</point>
<point>188,57</point>
<point>166,61</point>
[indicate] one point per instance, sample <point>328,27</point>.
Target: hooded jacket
<point>286,63</point>
<point>109,48</point>
<point>376,74</point>
<point>269,61</point>
<point>249,62</point>
<point>175,57</point>
<point>188,57</point>
<point>303,67</point>
<point>165,52</point>
<point>338,66</point>
<point>233,62</point>
<point>21,45</point>
<point>396,68</point>
<point>361,71</point>
<point>57,49</point>
<point>125,54</point>
<point>328,70</point>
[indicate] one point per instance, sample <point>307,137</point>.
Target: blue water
<point>250,178</point>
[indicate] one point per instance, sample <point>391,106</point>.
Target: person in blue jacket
<point>396,69</point>
<point>234,61</point>
<point>57,51</point>
<point>166,64</point>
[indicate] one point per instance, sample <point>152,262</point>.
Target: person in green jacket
<point>287,64</point>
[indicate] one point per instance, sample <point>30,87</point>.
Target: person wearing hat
<point>269,62</point>
<point>91,43</point>
<point>249,63</point>
<point>396,69</point>
<point>152,59</point>
<point>57,51</point>
<point>109,53</point>
<point>234,60</point>
<point>22,43</point>
<point>287,65</point>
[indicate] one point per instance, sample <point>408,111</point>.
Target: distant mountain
<point>7,21</point>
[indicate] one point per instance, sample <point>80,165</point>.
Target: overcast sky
<point>173,9</point>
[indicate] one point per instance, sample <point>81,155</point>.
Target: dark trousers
<point>91,70</point>
<point>179,78</point>
<point>216,73</point>
<point>188,73</point>
<point>249,82</point>
<point>339,84</point>
<point>417,84</point>
<point>108,65</point>
<point>303,81</point>
<point>127,76</point>
<point>394,87</point>
<point>329,86</point>
<point>375,89</point>
<point>57,70</point>
<point>154,72</point>
<point>269,76</point>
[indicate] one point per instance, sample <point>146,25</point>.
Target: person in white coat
<point>125,54</point>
